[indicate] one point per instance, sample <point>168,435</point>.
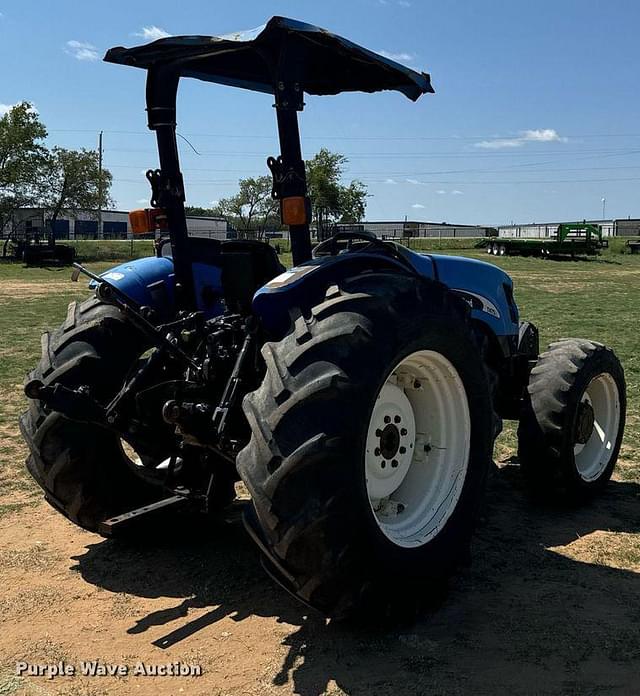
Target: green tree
<point>199,211</point>
<point>330,199</point>
<point>252,209</point>
<point>71,181</point>
<point>22,157</point>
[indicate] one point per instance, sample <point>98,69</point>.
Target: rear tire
<point>306,465</point>
<point>573,419</point>
<point>82,468</point>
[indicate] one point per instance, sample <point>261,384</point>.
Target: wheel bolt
<point>394,463</point>
<point>403,431</point>
<point>416,385</point>
<point>376,451</point>
<point>383,464</point>
<point>397,419</point>
<point>387,419</point>
<point>402,450</point>
<point>378,432</point>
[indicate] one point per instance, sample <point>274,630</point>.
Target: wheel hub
<point>390,442</point>
<point>584,422</point>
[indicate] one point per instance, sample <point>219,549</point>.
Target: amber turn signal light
<point>147,220</point>
<point>294,210</point>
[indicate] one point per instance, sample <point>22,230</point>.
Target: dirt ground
<point>549,605</point>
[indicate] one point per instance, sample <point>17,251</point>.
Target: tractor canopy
<point>282,50</point>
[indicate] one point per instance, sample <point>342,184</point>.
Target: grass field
<point>593,298</point>
<point>582,565</point>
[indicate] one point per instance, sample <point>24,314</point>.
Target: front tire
<point>334,529</point>
<point>573,419</point>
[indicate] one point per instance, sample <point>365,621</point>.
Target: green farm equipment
<point>571,238</point>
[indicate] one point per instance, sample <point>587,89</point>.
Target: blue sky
<point>535,116</point>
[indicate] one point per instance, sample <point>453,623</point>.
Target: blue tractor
<point>357,395</point>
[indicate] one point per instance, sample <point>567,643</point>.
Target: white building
<point>115,225</point>
<point>411,228</point>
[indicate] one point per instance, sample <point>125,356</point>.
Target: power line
<point>246,136</point>
<point>623,152</point>
<point>209,182</point>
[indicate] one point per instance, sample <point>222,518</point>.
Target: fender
<point>150,281</point>
<point>305,285</point>
<point>485,287</point>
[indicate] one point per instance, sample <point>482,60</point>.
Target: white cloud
<point>152,33</point>
<point>390,181</point>
<point>417,205</point>
<point>415,182</point>
<point>543,135</point>
<point>81,50</point>
<point>499,143</point>
<point>403,57</point>
<point>455,192</point>
<point>537,135</point>
<point>399,3</point>
<point>441,192</point>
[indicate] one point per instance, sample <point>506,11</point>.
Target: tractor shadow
<point>538,611</point>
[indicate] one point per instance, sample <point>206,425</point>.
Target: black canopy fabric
<point>282,50</point>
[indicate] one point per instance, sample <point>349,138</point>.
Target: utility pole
<point>604,207</point>
<point>100,230</point>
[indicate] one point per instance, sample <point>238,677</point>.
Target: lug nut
<point>397,419</point>
<point>403,431</point>
<point>387,419</point>
<point>394,463</point>
<point>416,385</point>
<point>383,464</point>
<point>402,450</point>
<point>376,451</point>
<point>378,432</point>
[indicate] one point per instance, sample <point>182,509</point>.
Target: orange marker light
<point>147,220</point>
<point>294,210</point>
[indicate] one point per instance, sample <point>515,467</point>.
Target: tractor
<point>357,394</point>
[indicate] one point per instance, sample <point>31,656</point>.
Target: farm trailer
<point>572,239</point>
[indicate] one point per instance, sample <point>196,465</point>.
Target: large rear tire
<point>82,468</point>
<point>335,526</point>
<point>573,419</point>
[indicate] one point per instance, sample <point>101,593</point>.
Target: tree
<point>72,182</point>
<point>22,157</point>
<point>199,211</point>
<point>330,199</point>
<point>252,208</point>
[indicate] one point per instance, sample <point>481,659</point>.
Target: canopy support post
<point>289,176</point>
<point>167,183</point>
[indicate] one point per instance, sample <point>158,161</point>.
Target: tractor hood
<point>282,50</point>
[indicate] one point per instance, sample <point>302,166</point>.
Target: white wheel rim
<point>593,456</point>
<point>425,401</point>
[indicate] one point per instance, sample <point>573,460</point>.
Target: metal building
<point>411,228</point>
<point>115,225</point>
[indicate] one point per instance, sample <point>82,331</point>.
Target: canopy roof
<point>281,50</point>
